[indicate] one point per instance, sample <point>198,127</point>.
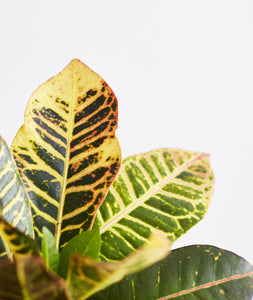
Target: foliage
<point>165,189</point>
<point>67,153</point>
<point>193,272</point>
<point>75,223</point>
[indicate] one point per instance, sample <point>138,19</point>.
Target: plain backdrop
<point>183,75</point>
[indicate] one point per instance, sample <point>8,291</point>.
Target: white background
<point>182,72</point>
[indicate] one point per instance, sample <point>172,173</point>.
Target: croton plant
<point>76,223</point>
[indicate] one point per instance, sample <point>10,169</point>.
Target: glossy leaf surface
<point>87,243</point>
<point>14,203</point>
<point>16,242</point>
<point>67,152</point>
<point>189,273</point>
<point>166,189</point>
<point>87,276</point>
<point>28,278</point>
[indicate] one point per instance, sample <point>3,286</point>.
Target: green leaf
<point>49,251</point>
<point>67,152</point>
<point>17,243</point>
<point>87,276</point>
<point>189,273</point>
<point>28,279</point>
<point>14,203</point>
<point>166,189</point>
<point>87,243</point>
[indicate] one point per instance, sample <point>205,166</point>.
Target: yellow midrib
<point>144,197</point>
<point>65,173</point>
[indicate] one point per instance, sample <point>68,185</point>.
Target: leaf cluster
<point>77,223</point>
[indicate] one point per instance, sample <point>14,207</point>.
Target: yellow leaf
<point>67,152</point>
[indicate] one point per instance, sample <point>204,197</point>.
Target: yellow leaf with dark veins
<point>67,152</point>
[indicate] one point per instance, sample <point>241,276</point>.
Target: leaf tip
<point>75,61</point>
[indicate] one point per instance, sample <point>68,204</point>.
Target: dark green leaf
<point>87,243</point>
<point>49,251</point>
<point>189,273</point>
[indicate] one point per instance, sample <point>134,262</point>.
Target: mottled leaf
<point>189,273</point>
<point>29,279</point>
<point>14,204</point>
<point>67,152</point>
<point>87,276</point>
<point>16,242</point>
<point>166,189</point>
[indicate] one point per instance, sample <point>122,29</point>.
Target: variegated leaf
<point>28,279</point>
<point>87,276</point>
<point>15,208</point>
<point>67,152</point>
<point>16,242</point>
<point>166,189</point>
